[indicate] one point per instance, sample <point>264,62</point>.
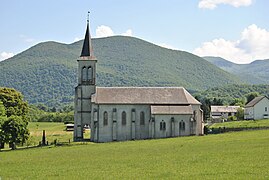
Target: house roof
<point>143,95</point>
<point>225,109</point>
<point>254,101</point>
<point>171,110</point>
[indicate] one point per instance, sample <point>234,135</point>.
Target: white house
<point>128,113</point>
<point>221,113</point>
<point>258,108</point>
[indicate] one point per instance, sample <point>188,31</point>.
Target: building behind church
<point>130,113</point>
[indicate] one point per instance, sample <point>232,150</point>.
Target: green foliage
<point>13,102</point>
<point>251,96</point>
<point>2,109</point>
<point>57,117</point>
<point>241,155</point>
<point>15,130</point>
<point>47,72</point>
<point>232,94</point>
<point>13,117</point>
<point>232,118</point>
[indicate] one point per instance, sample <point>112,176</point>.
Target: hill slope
<point>255,73</point>
<point>230,92</point>
<point>47,72</point>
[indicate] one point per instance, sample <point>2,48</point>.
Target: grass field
<point>54,131</point>
<point>243,124</point>
<point>237,155</point>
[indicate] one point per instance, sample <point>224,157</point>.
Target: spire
<point>87,50</point>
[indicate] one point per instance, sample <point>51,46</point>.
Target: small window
<point>123,118</point>
<point>182,125</point>
<point>105,118</point>
<point>84,74</point>
<point>265,109</point>
<point>142,118</point>
<point>162,126</point>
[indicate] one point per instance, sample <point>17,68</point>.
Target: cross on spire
<point>88,16</point>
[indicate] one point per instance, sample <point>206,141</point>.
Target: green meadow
<point>53,131</point>
<point>237,155</point>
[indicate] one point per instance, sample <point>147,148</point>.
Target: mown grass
<point>243,124</point>
<point>237,155</point>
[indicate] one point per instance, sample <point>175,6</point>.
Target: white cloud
<point>212,4</point>
<point>105,31</point>
<point>252,45</point>
<point>128,33</point>
<point>5,55</point>
<point>167,46</point>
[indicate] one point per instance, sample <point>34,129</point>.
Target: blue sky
<point>237,30</point>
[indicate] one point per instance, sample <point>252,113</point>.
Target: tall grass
<point>243,124</point>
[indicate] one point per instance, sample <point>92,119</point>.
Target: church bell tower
<point>85,88</point>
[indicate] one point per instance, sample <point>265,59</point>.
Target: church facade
<point>130,113</point>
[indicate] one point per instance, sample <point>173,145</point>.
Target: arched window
<point>123,118</point>
<point>142,118</point>
<point>84,74</point>
<point>105,118</point>
<point>162,126</point>
<point>182,125</point>
<point>89,73</point>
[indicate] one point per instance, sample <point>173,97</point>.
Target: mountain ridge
<point>47,72</point>
<point>255,72</point>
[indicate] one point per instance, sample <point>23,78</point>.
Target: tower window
<point>89,73</point>
<point>84,74</point>
<point>123,118</point>
<point>105,118</point>
<point>142,118</point>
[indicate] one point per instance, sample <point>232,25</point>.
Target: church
<point>130,113</point>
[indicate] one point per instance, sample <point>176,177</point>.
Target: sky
<point>237,30</point>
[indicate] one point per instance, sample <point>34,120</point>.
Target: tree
<point>251,96</point>
<point>2,109</point>
<point>240,114</point>
<point>14,118</point>
<point>238,102</point>
<point>2,119</point>
<point>15,130</point>
<point>13,102</point>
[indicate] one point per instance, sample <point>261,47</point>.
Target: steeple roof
<point>87,50</point>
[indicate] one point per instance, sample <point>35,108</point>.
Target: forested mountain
<point>47,72</point>
<point>256,72</point>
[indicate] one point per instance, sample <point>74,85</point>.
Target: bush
<point>232,118</point>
